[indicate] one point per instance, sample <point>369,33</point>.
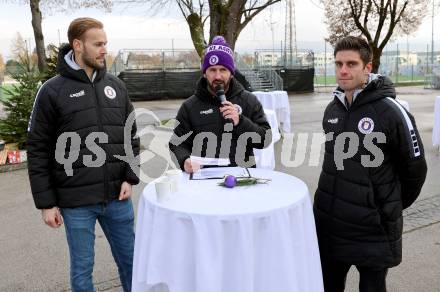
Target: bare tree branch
<point>382,15</point>
<point>182,10</point>
<point>382,19</point>
<point>367,12</point>
<point>40,7</point>
<point>262,7</point>
<point>226,17</point>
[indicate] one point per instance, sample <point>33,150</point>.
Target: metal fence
<point>155,60</point>
<point>263,59</point>
<point>402,63</point>
<point>400,66</point>
<point>188,60</point>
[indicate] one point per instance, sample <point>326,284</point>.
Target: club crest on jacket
<point>366,125</point>
<point>109,92</point>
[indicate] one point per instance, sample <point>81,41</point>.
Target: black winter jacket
<point>358,210</point>
<point>200,114</point>
<point>70,102</point>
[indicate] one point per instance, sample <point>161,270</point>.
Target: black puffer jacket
<point>70,102</point>
<point>358,210</point>
<point>200,114</point>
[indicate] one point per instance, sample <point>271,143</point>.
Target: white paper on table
<point>210,161</point>
<point>220,172</point>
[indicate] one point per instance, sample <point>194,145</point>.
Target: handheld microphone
<point>220,93</point>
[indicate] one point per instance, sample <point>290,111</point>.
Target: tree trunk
<point>377,52</point>
<point>38,34</point>
<point>216,19</point>
<point>233,19</point>
<point>225,20</point>
<point>196,29</point>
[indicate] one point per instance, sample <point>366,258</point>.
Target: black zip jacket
<point>358,209</point>
<point>200,113</point>
<point>70,102</point>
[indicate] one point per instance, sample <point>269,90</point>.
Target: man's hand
<point>191,166</point>
<point>229,111</point>
<point>125,191</point>
<point>52,217</point>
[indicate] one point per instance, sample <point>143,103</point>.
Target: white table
<point>436,128</point>
<point>209,238</point>
<point>277,101</point>
<point>265,158</point>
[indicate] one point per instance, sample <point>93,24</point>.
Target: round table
<point>277,101</point>
<point>265,158</point>
<point>209,238</point>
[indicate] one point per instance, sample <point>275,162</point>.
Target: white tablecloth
<point>209,238</point>
<point>436,128</point>
<point>265,158</point>
<point>279,102</point>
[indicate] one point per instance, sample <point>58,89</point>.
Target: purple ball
<point>230,181</point>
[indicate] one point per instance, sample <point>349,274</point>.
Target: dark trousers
<point>334,274</point>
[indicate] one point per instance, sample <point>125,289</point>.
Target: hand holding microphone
<point>228,110</point>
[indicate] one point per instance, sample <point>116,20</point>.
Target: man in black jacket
<point>210,128</point>
<point>76,130</point>
<point>367,179</point>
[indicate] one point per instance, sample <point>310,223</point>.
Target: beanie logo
<point>213,60</point>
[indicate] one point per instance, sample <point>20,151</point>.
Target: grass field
<point>401,78</point>
<point>331,80</point>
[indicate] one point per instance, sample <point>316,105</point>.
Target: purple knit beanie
<point>219,53</point>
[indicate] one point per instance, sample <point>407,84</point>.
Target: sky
<point>136,28</point>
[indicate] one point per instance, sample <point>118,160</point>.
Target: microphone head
<point>220,92</point>
<point>218,88</point>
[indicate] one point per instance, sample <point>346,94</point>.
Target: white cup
<point>175,176</point>
<point>163,189</point>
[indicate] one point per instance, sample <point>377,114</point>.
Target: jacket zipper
<point>335,188</point>
<point>101,129</point>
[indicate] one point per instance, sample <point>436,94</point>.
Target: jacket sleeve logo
<point>109,92</point>
<point>366,126</point>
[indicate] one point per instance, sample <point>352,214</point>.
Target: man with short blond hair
<point>75,132</point>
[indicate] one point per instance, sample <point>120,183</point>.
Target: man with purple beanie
<point>211,127</point>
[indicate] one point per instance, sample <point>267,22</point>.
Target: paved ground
<point>34,257</point>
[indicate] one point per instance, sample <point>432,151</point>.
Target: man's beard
<point>92,63</point>
<point>216,83</point>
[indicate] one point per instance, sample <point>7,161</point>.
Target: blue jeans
<point>116,219</point>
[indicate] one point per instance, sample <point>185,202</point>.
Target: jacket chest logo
<point>109,92</point>
<point>78,94</point>
<point>366,125</point>
<point>333,121</point>
<point>207,112</point>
